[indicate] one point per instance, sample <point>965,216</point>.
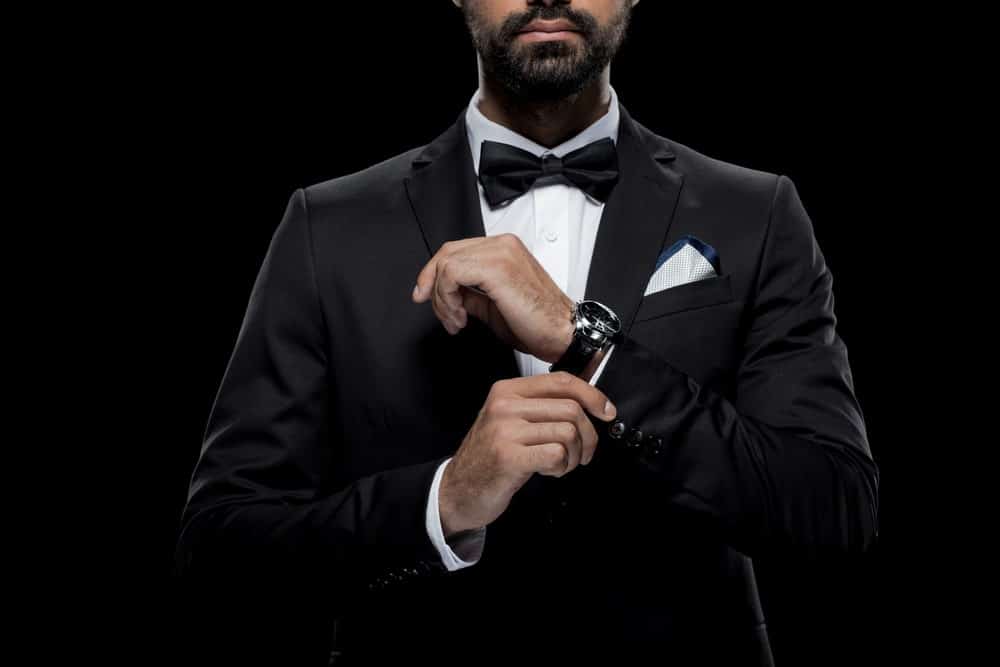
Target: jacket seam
<point>312,265</point>
<point>767,239</point>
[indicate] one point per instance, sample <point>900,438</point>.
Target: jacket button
<point>616,429</point>
<point>656,447</point>
<point>634,438</point>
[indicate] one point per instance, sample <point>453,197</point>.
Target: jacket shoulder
<point>712,175</point>
<point>715,174</point>
<point>373,186</point>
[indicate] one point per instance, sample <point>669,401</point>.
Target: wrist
<point>566,330</point>
<point>446,508</point>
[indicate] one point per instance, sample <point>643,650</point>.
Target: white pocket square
<point>687,260</point>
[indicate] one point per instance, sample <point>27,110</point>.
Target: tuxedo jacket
<point>739,432</point>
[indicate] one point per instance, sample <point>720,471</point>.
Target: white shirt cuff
<point>600,366</point>
<point>461,549</point>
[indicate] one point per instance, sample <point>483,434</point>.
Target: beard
<point>545,71</point>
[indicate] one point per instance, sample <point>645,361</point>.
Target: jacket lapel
<point>443,189</point>
<point>444,193</point>
<point>635,220</point>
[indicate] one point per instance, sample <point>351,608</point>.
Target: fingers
<point>565,433</point>
<point>452,322</point>
<point>562,384</point>
<point>452,273</point>
<point>461,267</point>
<point>541,416</point>
<point>428,274</point>
<point>546,459</point>
<point>455,266</point>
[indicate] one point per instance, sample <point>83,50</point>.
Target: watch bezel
<point>595,322</point>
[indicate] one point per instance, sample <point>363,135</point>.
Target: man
<point>395,474</point>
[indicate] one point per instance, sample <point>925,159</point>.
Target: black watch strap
<point>575,358</point>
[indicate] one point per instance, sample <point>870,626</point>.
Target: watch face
<point>600,316</point>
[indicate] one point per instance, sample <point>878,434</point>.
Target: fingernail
<point>416,291</point>
<point>609,409</point>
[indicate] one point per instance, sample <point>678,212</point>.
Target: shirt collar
<point>480,128</point>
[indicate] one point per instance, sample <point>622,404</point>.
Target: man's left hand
<point>499,281</point>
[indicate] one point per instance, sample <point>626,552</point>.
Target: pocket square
<point>685,261</point>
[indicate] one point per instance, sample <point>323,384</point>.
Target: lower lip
<point>539,36</point>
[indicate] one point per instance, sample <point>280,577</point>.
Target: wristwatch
<point>596,327</point>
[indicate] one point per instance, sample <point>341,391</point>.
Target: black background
<point>218,118</point>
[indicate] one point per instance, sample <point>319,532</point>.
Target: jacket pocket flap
<point>695,294</point>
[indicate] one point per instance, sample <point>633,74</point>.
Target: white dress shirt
<point>558,224</point>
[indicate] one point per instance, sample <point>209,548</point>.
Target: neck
<point>546,123</point>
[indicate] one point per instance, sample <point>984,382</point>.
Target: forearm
<point>804,480</point>
<point>267,575</point>
<point>347,539</point>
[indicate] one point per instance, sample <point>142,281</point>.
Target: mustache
<point>515,23</point>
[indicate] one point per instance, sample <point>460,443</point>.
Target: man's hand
<point>527,425</point>
<point>500,282</point>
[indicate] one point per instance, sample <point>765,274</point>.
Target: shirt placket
<point>551,241</point>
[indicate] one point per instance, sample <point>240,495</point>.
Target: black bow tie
<point>507,172</point>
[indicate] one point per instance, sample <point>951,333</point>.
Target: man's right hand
<point>527,425</point>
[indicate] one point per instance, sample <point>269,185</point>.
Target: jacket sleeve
<point>783,462</point>
<point>261,508</point>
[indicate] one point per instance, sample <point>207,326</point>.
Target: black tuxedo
<point>742,433</point>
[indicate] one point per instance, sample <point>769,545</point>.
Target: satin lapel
<point>634,222</point>
<point>444,194</point>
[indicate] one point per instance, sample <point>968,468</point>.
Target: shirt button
<point>616,429</point>
<point>551,235</point>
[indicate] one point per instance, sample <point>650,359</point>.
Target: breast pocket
<point>687,296</point>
